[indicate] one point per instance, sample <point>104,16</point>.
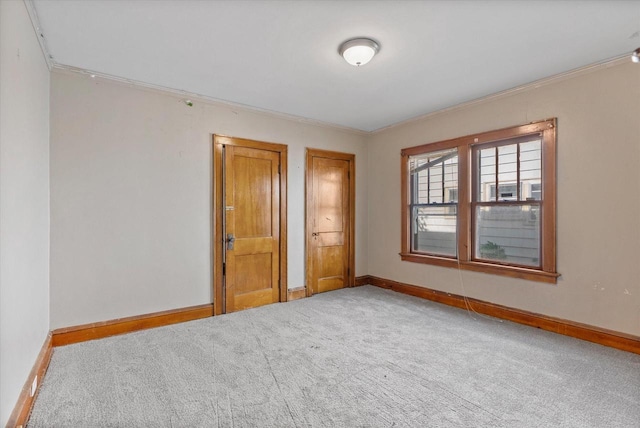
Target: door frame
<point>327,154</point>
<point>218,240</point>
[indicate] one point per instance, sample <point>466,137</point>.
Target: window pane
<point>531,170</point>
<point>435,187</point>
<point>423,187</point>
<point>435,177</point>
<point>509,234</point>
<point>435,230</point>
<point>536,191</point>
<point>506,192</point>
<point>451,180</point>
<point>507,172</point>
<point>487,168</point>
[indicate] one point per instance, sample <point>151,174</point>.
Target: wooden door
<point>330,218</point>
<point>251,237</point>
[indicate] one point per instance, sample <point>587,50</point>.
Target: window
<point>434,202</point>
<point>483,202</point>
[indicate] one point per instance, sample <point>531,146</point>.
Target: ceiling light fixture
<point>358,52</point>
<point>635,56</point>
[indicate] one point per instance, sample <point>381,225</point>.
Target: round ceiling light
<point>635,56</point>
<point>358,52</point>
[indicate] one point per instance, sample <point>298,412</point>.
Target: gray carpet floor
<point>361,357</point>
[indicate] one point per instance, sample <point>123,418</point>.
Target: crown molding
<point>33,15</point>
<point>203,98</point>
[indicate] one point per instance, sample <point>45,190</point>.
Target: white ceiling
<point>282,55</point>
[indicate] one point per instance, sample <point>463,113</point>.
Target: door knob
<point>315,234</point>
<point>230,241</point>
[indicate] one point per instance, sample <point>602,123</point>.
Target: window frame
<point>465,233</point>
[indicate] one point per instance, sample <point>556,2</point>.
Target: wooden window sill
<point>490,268</point>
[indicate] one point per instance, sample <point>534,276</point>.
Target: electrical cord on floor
<point>467,303</point>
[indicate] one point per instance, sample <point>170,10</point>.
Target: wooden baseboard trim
<point>613,339</point>
<point>296,293</point>
<point>362,280</point>
<point>22,409</point>
<point>82,333</point>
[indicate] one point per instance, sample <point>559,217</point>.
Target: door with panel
<point>251,223</point>
<point>330,221</point>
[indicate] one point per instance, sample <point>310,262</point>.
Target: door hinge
<point>348,175</point>
<point>224,269</point>
<point>279,169</point>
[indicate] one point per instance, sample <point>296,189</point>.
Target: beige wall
<point>24,201</point>
<point>598,198</point>
<point>131,175</point>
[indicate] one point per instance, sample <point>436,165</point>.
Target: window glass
<point>504,232</point>
<point>487,168</point>
<point>435,231</point>
<point>508,234</point>
<point>434,178</point>
<point>507,171</point>
<point>531,170</point>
